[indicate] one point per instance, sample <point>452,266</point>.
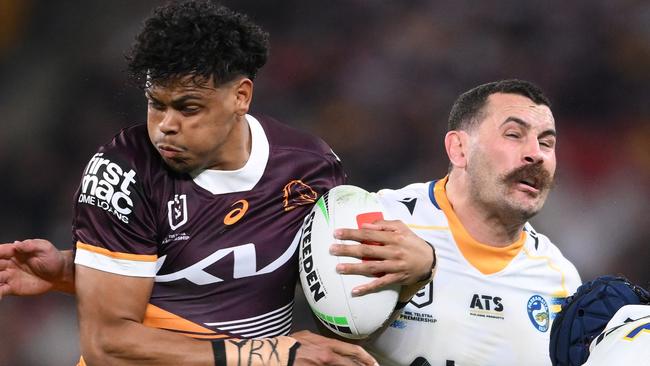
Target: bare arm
<point>111,311</point>
<point>33,267</point>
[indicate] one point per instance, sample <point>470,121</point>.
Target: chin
<point>179,166</point>
<point>524,210</point>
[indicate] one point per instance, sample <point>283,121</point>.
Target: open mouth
<point>530,182</point>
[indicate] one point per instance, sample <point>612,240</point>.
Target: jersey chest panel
<point>471,319</point>
<point>233,248</point>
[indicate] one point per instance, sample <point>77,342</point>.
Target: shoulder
<point>129,149</point>
<point>414,190</point>
<point>284,137</point>
<point>411,203</point>
<point>130,144</point>
<point>540,245</point>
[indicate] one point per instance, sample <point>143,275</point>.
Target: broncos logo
<point>297,193</point>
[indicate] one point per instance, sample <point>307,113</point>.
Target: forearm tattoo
<point>278,351</point>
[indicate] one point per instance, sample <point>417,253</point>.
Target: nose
<point>533,152</point>
<point>170,123</point>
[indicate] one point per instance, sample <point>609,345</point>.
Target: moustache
<point>535,173</point>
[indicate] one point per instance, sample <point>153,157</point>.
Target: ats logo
<point>106,185</point>
<point>486,306</point>
<point>296,193</point>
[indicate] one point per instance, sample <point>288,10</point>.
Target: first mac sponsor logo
<point>106,185</point>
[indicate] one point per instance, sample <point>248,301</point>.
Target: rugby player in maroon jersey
<point>184,229</point>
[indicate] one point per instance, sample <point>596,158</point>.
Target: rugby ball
<point>329,293</point>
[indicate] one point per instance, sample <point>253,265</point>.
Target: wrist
<point>65,282</point>
<point>408,291</point>
<point>278,351</point>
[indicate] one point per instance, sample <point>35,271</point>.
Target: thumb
<point>25,247</point>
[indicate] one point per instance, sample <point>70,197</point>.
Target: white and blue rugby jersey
<point>626,339</point>
<point>486,305</point>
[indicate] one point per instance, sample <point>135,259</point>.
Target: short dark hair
<point>467,109</point>
<point>201,39</point>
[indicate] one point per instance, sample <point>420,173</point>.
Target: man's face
<point>191,125</point>
<point>511,160</point>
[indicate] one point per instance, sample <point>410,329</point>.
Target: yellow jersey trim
<point>485,258</point>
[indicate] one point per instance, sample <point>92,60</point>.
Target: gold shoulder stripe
<point>117,255</point>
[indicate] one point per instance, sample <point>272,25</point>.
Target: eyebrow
<point>526,125</point>
<point>176,101</point>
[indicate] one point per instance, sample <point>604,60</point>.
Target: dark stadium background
<point>375,79</point>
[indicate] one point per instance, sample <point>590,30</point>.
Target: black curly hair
<point>200,39</point>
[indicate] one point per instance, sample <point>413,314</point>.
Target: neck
<point>488,226</point>
<point>236,151</point>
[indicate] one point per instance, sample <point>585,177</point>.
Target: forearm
<point>133,343</point>
<point>65,283</point>
<point>129,342</point>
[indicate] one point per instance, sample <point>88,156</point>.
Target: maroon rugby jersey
<point>220,244</point>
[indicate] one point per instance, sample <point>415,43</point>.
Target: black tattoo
<point>274,349</point>
<point>239,345</point>
<point>253,351</point>
<point>254,346</point>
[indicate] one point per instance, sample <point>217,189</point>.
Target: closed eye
<point>156,105</point>
<point>190,109</point>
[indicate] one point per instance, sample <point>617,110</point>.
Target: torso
<point>222,241</point>
<point>485,306</point>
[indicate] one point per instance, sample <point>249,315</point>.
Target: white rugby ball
<point>329,293</point>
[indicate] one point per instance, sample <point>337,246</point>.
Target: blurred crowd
<point>375,79</point>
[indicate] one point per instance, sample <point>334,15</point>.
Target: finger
<point>376,285</point>
<point>355,352</point>
<point>25,246</point>
<point>384,225</point>
<point>369,268</point>
<point>4,264</point>
<point>361,251</point>
<point>4,278</point>
<point>364,235</point>
<point>7,250</point>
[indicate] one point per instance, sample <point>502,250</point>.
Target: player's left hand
<point>400,258</point>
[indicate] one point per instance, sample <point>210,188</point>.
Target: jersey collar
<point>486,258</point>
<point>246,177</point>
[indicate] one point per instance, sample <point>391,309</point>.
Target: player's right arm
<point>33,267</point>
<point>111,311</point>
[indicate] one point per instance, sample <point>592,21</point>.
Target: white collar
<point>246,177</point>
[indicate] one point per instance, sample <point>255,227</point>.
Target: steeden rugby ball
<point>329,293</point>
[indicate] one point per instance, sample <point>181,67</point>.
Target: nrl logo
<point>423,297</point>
<point>177,211</point>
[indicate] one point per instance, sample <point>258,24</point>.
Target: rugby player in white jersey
<point>498,281</point>
<point>626,339</point>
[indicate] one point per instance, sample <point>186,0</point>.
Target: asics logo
<point>237,213</point>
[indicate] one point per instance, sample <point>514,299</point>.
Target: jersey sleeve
<point>113,224</point>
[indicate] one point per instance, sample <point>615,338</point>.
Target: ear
<point>456,144</point>
<point>243,89</point>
